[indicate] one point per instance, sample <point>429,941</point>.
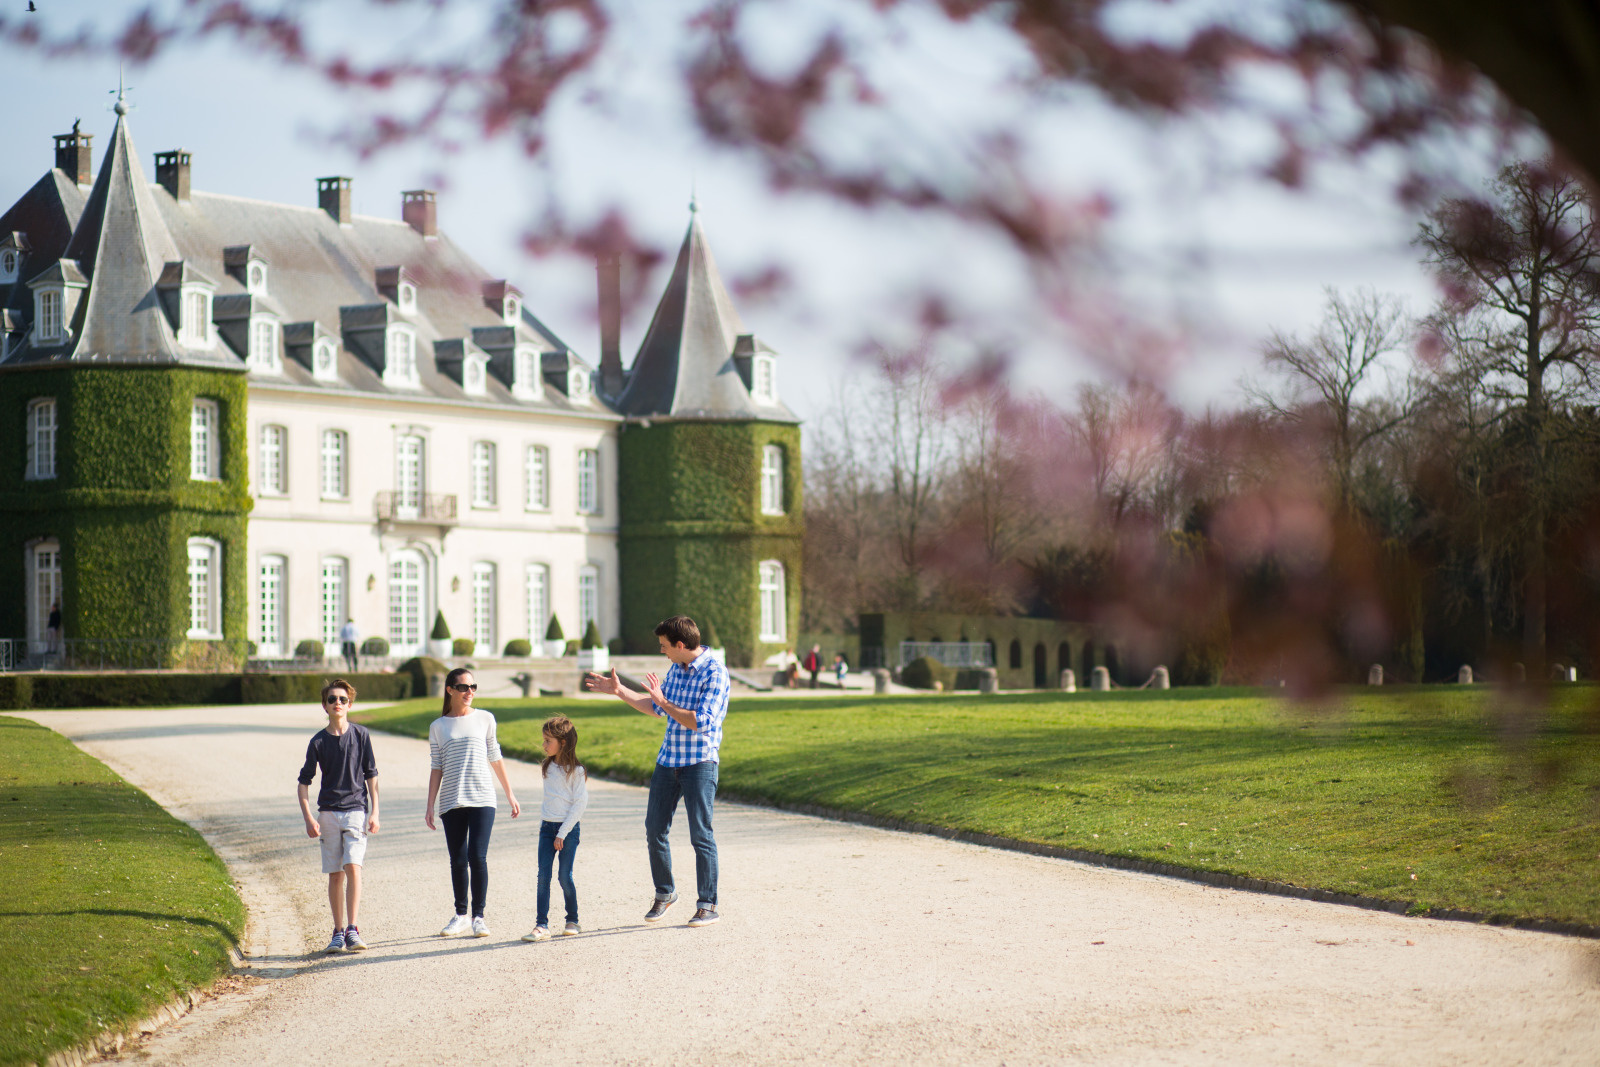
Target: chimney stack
<point>609,269</point>
<point>172,173</point>
<point>333,196</point>
<point>420,210</point>
<point>74,156</point>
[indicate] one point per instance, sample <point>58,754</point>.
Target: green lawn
<point>110,906</point>
<point>1358,797</point>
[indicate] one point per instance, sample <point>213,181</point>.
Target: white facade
<point>403,557</point>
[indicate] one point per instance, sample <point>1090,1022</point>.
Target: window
<point>335,600</point>
<point>8,265</point>
<point>42,439</point>
<point>589,481</point>
<point>269,604</point>
<point>194,327</point>
<point>483,474</point>
<point>1014,657</point>
<point>538,478</point>
<point>324,361</point>
<point>773,615</point>
<point>409,473</point>
<point>588,597</point>
<point>204,445</point>
<point>205,588</point>
<point>772,480</point>
<point>473,382</point>
<point>525,373</point>
<point>264,346</point>
<point>47,312</point>
<point>408,298</point>
<point>400,357</point>
<point>256,277</point>
<point>538,582</point>
<point>578,383</point>
<point>766,379</point>
<point>335,485</point>
<point>513,310</point>
<point>483,608</point>
<point>272,473</point>
<point>45,592</point>
<point>405,602</point>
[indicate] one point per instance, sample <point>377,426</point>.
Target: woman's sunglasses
<point>462,687</point>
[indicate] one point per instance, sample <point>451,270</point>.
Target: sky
<point>1195,246</point>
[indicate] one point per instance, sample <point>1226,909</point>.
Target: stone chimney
<point>333,196</point>
<point>609,270</point>
<point>172,173</point>
<point>74,156</point>
<point>420,210</point>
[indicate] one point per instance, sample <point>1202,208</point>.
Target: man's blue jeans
<point>547,859</point>
<point>697,786</point>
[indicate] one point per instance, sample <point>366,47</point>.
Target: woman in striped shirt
<point>462,751</point>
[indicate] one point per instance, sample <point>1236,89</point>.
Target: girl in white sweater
<point>566,794</point>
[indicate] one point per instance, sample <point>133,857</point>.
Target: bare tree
<point>909,436</point>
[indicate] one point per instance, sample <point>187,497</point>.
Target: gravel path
<point>839,944</point>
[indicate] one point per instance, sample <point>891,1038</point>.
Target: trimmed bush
<point>553,631</point>
<point>922,673</point>
<point>518,646</point>
<point>591,636</point>
<point>375,646</point>
<point>614,646</point>
<point>250,648</point>
<point>281,688</point>
<point>309,649</point>
<point>441,629</point>
<point>418,668</point>
<point>462,646</point>
<point>572,648</point>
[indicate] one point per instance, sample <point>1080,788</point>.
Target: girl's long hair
<point>450,679</point>
<point>566,736</point>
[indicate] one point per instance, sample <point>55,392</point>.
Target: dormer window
<point>525,373</point>
<point>256,277</point>
<point>194,326</point>
<point>324,360</point>
<point>47,314</point>
<point>513,311</point>
<point>474,377</point>
<point>578,383</point>
<point>12,245</point>
<point>765,384</point>
<point>400,357</point>
<point>8,265</point>
<point>265,355</point>
<point>407,298</point>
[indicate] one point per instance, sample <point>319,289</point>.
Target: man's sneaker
<point>336,943</point>
<point>540,933</point>
<point>658,909</point>
<point>458,924</point>
<point>479,927</point>
<point>352,940</point>
<point>704,917</point>
<point>572,929</point>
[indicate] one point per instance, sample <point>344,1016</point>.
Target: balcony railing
<point>438,509</point>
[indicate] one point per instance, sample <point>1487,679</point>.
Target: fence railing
<point>949,653</point>
<point>437,508</point>
<point>89,654</point>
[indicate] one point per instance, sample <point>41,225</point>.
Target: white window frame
<point>536,587</point>
<point>333,598</point>
<point>474,376</point>
<point>272,615</point>
<point>588,598</point>
<point>526,372</point>
<point>205,596</point>
<point>255,276</point>
<point>513,310</point>
<point>265,351</point>
<point>578,384</point>
<point>536,479</point>
<point>48,308</point>
<point>335,465</point>
<point>764,379</point>
<point>410,474</point>
<point>44,589</point>
<point>194,316</point>
<point>8,265</point>
<point>772,600</point>
<point>43,433</point>
<point>406,297</point>
<point>772,479</point>
<point>485,608</point>
<point>400,356</point>
<point>325,360</point>
<point>272,460</point>
<point>588,481</point>
<point>485,476</point>
<point>205,444</point>
<point>401,641</point>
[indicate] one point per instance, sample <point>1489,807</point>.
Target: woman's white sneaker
<point>479,927</point>
<point>458,924</point>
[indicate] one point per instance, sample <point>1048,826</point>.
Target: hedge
<point>168,689</point>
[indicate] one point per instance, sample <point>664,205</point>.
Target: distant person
<point>791,675</point>
<point>813,663</point>
<point>694,700</point>
<point>347,808</point>
<point>841,669</point>
<point>462,753</point>
<point>52,629</point>
<point>349,639</point>
<point>566,794</point>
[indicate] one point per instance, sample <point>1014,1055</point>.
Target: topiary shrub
<point>591,636</point>
<point>462,646</point>
<point>518,646</point>
<point>553,631</point>
<point>420,667</point>
<point>614,646</point>
<point>572,648</point>
<point>922,673</point>
<point>441,629</point>
<point>372,646</point>
<point>250,648</point>
<point>308,649</point>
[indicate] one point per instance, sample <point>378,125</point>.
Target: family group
<point>465,761</point>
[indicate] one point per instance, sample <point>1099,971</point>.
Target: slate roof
<point>686,366</point>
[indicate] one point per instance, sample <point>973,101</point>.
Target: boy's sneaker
<point>479,927</point>
<point>540,933</point>
<point>352,940</point>
<point>336,943</point>
<point>658,909</point>
<point>704,917</point>
<point>458,924</point>
<point>571,930</point>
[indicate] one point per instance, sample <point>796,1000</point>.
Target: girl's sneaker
<point>540,933</point>
<point>352,940</point>
<point>458,924</point>
<point>336,943</point>
<point>479,927</point>
<point>572,928</point>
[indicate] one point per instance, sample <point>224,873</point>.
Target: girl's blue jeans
<point>547,860</point>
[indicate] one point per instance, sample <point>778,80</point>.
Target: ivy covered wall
<point>122,504</point>
<point>693,535</point>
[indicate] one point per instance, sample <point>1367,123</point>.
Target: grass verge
<point>111,906</point>
<point>1419,795</point>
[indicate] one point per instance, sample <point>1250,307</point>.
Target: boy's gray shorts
<point>344,839</point>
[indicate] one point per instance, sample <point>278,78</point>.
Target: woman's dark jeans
<point>547,859</point>
<point>466,835</point>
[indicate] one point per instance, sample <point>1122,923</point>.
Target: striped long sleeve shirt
<point>463,746</point>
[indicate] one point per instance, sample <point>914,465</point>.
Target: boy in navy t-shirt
<point>347,808</point>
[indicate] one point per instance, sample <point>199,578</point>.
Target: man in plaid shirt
<point>693,698</point>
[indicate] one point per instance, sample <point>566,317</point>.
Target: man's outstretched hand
<point>601,683</point>
<point>652,684</point>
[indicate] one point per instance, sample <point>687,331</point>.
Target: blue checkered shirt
<point>700,687</point>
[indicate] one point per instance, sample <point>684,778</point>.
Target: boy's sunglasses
<point>338,698</point>
<point>462,687</point>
